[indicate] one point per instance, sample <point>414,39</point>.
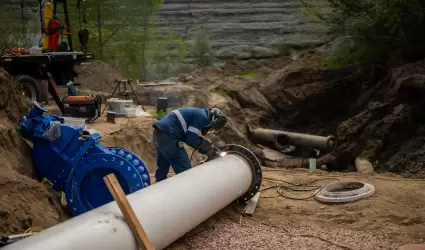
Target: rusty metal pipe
<point>281,138</point>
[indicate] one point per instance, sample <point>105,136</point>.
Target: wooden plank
<point>136,228</point>
<point>412,247</point>
<point>251,205</point>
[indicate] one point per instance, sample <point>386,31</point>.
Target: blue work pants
<point>169,152</point>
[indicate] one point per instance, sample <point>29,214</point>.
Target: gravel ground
<point>226,234</point>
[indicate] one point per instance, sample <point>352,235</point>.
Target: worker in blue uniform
<point>184,125</point>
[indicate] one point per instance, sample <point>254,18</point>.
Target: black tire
<point>30,86</point>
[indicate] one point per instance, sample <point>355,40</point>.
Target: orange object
<point>79,98</point>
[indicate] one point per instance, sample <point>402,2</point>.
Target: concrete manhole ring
<point>345,191</point>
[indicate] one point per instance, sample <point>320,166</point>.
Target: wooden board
<point>251,205</point>
<point>136,228</point>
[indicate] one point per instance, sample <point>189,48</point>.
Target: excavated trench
<point>24,201</point>
<point>374,113</point>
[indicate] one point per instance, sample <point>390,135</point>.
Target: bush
<point>382,31</point>
<point>246,73</point>
<point>161,113</point>
<point>12,33</point>
<point>202,48</point>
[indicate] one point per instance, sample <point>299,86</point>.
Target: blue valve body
<point>76,162</point>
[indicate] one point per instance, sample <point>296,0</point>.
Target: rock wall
<point>242,29</point>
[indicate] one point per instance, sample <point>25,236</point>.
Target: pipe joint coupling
<point>253,162</point>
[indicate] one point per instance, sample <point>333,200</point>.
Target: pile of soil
<point>24,202</point>
<point>390,127</point>
<point>97,76</point>
<point>137,137</point>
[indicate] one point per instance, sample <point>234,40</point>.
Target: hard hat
<point>218,120</point>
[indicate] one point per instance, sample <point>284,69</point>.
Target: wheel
<point>30,87</point>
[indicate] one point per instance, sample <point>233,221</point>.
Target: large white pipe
<point>166,210</point>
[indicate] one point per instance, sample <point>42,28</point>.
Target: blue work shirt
<point>185,124</point>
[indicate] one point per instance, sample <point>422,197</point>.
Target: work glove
<point>207,149</point>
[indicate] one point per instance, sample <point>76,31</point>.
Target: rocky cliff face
<point>240,28</point>
<point>236,28</point>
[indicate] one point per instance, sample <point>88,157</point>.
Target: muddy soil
<point>24,201</point>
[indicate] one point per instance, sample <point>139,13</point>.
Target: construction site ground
<point>394,216</point>
<point>366,109</point>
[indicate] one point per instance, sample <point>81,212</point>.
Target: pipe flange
<point>255,165</point>
<point>85,188</point>
<point>136,161</point>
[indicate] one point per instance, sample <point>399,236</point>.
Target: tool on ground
<point>130,217</point>
<point>73,159</point>
<point>345,191</point>
<point>126,90</point>
<point>169,209</point>
<point>6,240</point>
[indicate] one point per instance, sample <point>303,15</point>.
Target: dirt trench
<point>375,113</point>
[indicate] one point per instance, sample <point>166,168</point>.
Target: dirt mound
<point>97,76</point>
<point>390,128</point>
<point>137,137</point>
<point>24,202</point>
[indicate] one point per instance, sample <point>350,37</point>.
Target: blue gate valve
<point>75,161</point>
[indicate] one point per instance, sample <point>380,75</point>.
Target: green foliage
<point>168,51</point>
<point>161,113</point>
<point>14,33</point>
<point>346,54</point>
<point>129,41</point>
<point>284,49</point>
<point>382,31</point>
<point>246,73</point>
<point>202,48</point>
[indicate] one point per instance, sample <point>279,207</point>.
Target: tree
<point>14,31</point>
<point>145,10</point>
<point>202,47</point>
<point>107,18</point>
<point>382,31</point>
<point>168,52</point>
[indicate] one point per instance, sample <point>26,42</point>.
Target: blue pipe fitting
<point>85,188</point>
<point>34,124</point>
<point>76,162</point>
<point>135,161</point>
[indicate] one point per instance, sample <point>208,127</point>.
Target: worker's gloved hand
<point>212,154</point>
<point>207,149</point>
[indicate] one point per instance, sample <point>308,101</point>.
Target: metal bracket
<point>255,165</point>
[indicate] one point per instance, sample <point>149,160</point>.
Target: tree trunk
<point>145,17</point>
<point>144,45</point>
<point>99,31</point>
